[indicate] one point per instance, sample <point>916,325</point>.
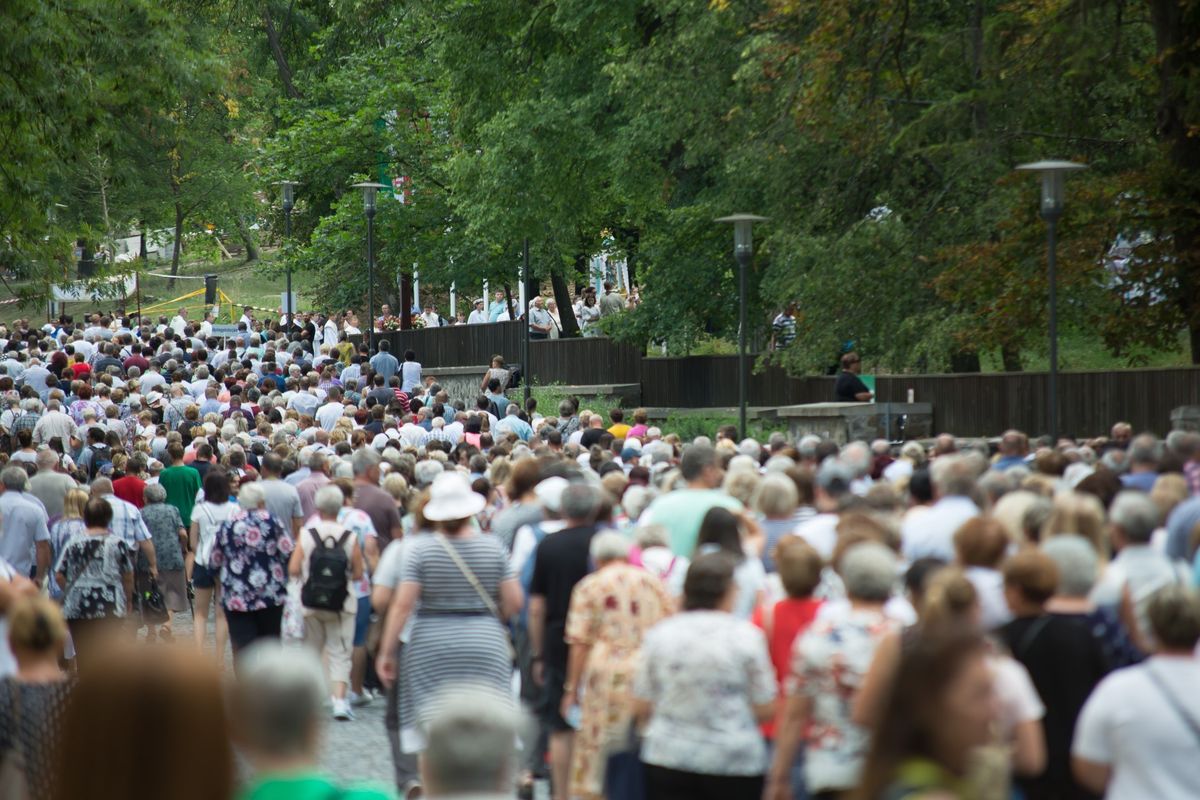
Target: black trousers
<point>673,784</point>
<point>247,626</point>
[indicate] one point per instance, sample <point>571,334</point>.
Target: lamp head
<point>743,235</point>
<point>369,192</point>
<point>288,191</point>
<point>1053,191</point>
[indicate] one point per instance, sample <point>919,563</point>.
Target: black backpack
<point>328,566</point>
<point>101,458</point>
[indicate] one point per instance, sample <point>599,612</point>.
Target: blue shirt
<point>516,425</point>
<point>385,364</point>
<point>22,522</point>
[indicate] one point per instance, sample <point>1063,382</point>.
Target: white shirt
<point>821,533</point>
<point>1130,725</point>
<point>178,324</point>
<point>476,317</point>
<point>932,533</point>
<point>329,414</point>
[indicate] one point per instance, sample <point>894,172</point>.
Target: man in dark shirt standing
<point>560,562</point>
<point>849,387</point>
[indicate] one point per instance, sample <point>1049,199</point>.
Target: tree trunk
<point>1177,35</point>
<point>177,250</point>
<point>508,302</point>
<point>281,62</point>
<point>964,361</point>
<point>406,298</point>
<point>1010,356</point>
<point>566,310</point>
<point>247,237</point>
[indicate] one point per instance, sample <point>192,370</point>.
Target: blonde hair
<point>36,623</point>
<point>948,597</point>
<point>799,565</point>
<point>1076,512</point>
<point>1169,490</point>
<point>73,503</point>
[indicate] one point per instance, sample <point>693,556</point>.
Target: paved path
<point>352,751</point>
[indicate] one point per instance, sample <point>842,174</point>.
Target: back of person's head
<point>708,580</point>
<point>721,529</point>
<point>329,500</point>
<point>1136,515</point>
<point>1077,563</point>
<point>695,459</point>
<point>949,598</point>
<point>36,626</point>
<point>1174,614</point>
<point>470,744</point>
<point>799,566</point>
<point>579,502</point>
<point>953,476</point>
<point>216,486</point>
<point>277,701</point>
<point>869,572</point>
<point>1032,573</point>
<point>97,513</point>
<point>144,718</point>
<point>776,496</point>
<point>981,542</point>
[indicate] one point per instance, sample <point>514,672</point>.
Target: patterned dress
<point>29,724</point>
<point>611,610</point>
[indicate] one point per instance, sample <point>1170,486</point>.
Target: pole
<point>525,338</point>
<point>287,227</point>
<point>743,258</point>
<point>371,278</point>
<point>1052,392</point>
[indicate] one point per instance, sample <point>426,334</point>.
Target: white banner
<point>94,291</point>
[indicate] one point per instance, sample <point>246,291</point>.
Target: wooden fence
<point>967,404</point>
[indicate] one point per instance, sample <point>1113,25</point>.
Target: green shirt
<point>181,485</point>
<point>681,513</point>
<point>311,787</point>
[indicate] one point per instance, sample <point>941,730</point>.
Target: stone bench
<point>847,422</point>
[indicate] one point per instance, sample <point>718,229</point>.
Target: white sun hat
<point>451,497</point>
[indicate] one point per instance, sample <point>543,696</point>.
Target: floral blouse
<point>93,567</point>
<point>251,550</point>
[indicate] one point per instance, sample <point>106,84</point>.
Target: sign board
<point>869,380</point>
<point>224,330</point>
<point>283,302</point>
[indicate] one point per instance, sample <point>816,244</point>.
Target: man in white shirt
<point>932,533</point>
<point>55,422</point>
<point>206,325</point>
<point>1138,735</point>
<point>331,412</point>
<point>477,315</point>
<point>430,317</point>
<point>246,318</point>
<point>180,322</point>
<point>152,379</point>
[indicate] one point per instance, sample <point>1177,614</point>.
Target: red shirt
<point>788,620</point>
<point>80,369</point>
<point>137,361</point>
<point>131,489</point>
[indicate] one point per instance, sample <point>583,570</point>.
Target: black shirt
<point>1065,662</point>
<point>590,437</point>
<point>848,387</point>
<point>560,561</point>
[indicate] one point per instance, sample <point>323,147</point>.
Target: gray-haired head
<point>15,479</point>
<point>425,472</point>
<point>579,502</point>
<point>695,459</point>
<point>1144,450</point>
<point>364,460</point>
<point>1174,614</point>
<point>1077,563</point>
<point>609,546</point>
<point>834,477</point>
<point>278,700</point>
<point>155,493</point>
<point>251,496</point>
<point>329,501</point>
<point>857,456</point>
<point>652,536</point>
<point>953,476</point>
<point>470,743</point>
<point>1136,515</point>
<point>869,572</point>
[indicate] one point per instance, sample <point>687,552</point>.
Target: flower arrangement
<point>390,323</point>
<point>416,321</point>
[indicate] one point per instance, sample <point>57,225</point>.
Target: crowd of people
<point>545,321</point>
<point>722,617</point>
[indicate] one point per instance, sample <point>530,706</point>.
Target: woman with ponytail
<point>949,602</point>
<point>31,701</point>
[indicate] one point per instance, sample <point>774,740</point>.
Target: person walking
<point>95,572</point>
<point>207,518</point>
<point>170,542</point>
<point>611,610</point>
<point>703,686</point>
<point>327,560</point>
<point>250,555</point>
<point>462,590</point>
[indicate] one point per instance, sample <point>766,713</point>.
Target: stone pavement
<point>352,751</point>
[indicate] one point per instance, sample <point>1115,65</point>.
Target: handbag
<point>152,605</point>
<point>479,590</point>
<point>14,783</point>
<point>624,774</point>
<point>293,613</point>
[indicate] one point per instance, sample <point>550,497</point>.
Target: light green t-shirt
<point>312,787</point>
<point>681,513</point>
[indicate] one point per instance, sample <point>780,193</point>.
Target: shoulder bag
<point>479,590</point>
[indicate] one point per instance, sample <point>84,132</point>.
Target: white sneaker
<point>358,700</point>
<point>341,709</point>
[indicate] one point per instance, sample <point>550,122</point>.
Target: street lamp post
<point>369,192</point>
<point>743,249</point>
<point>288,189</point>
<point>1052,174</point>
